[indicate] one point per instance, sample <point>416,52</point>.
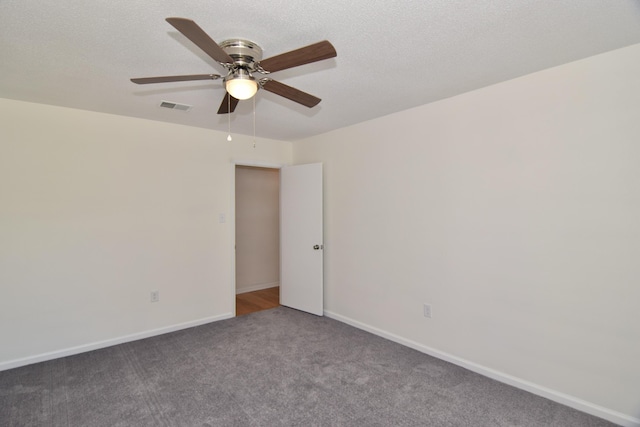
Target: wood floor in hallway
<point>263,299</point>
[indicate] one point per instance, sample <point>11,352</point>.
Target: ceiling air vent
<point>175,106</point>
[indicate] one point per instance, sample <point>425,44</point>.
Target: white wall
<point>257,228</point>
<point>515,212</point>
<point>96,211</point>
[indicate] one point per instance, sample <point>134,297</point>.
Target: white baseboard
<point>16,363</point>
<point>562,398</point>
<point>258,287</point>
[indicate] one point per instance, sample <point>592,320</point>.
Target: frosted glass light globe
<point>242,88</point>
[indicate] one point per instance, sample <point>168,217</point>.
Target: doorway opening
<point>257,222</point>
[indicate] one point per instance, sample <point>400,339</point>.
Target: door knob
<point>316,247</point>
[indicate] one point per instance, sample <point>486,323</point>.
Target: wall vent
<point>175,106</point>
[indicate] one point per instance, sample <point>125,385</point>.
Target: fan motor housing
<point>244,52</point>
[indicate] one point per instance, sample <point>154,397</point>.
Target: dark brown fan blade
<point>193,32</point>
<point>228,104</point>
<point>291,93</point>
<point>166,79</point>
<point>304,55</point>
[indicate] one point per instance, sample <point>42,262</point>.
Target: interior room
<point>479,160</point>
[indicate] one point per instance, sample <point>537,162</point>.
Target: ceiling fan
<point>242,59</point>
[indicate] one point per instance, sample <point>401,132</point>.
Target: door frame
<point>232,219</point>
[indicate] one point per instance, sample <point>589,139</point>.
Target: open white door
<point>301,246</point>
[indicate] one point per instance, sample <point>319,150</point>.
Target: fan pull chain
<point>229,117</point>
<point>254,122</point>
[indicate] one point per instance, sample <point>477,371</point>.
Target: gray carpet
<point>277,367</point>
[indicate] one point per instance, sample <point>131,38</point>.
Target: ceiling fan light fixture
<point>241,58</point>
<point>241,84</point>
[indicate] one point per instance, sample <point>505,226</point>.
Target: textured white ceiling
<point>392,55</point>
